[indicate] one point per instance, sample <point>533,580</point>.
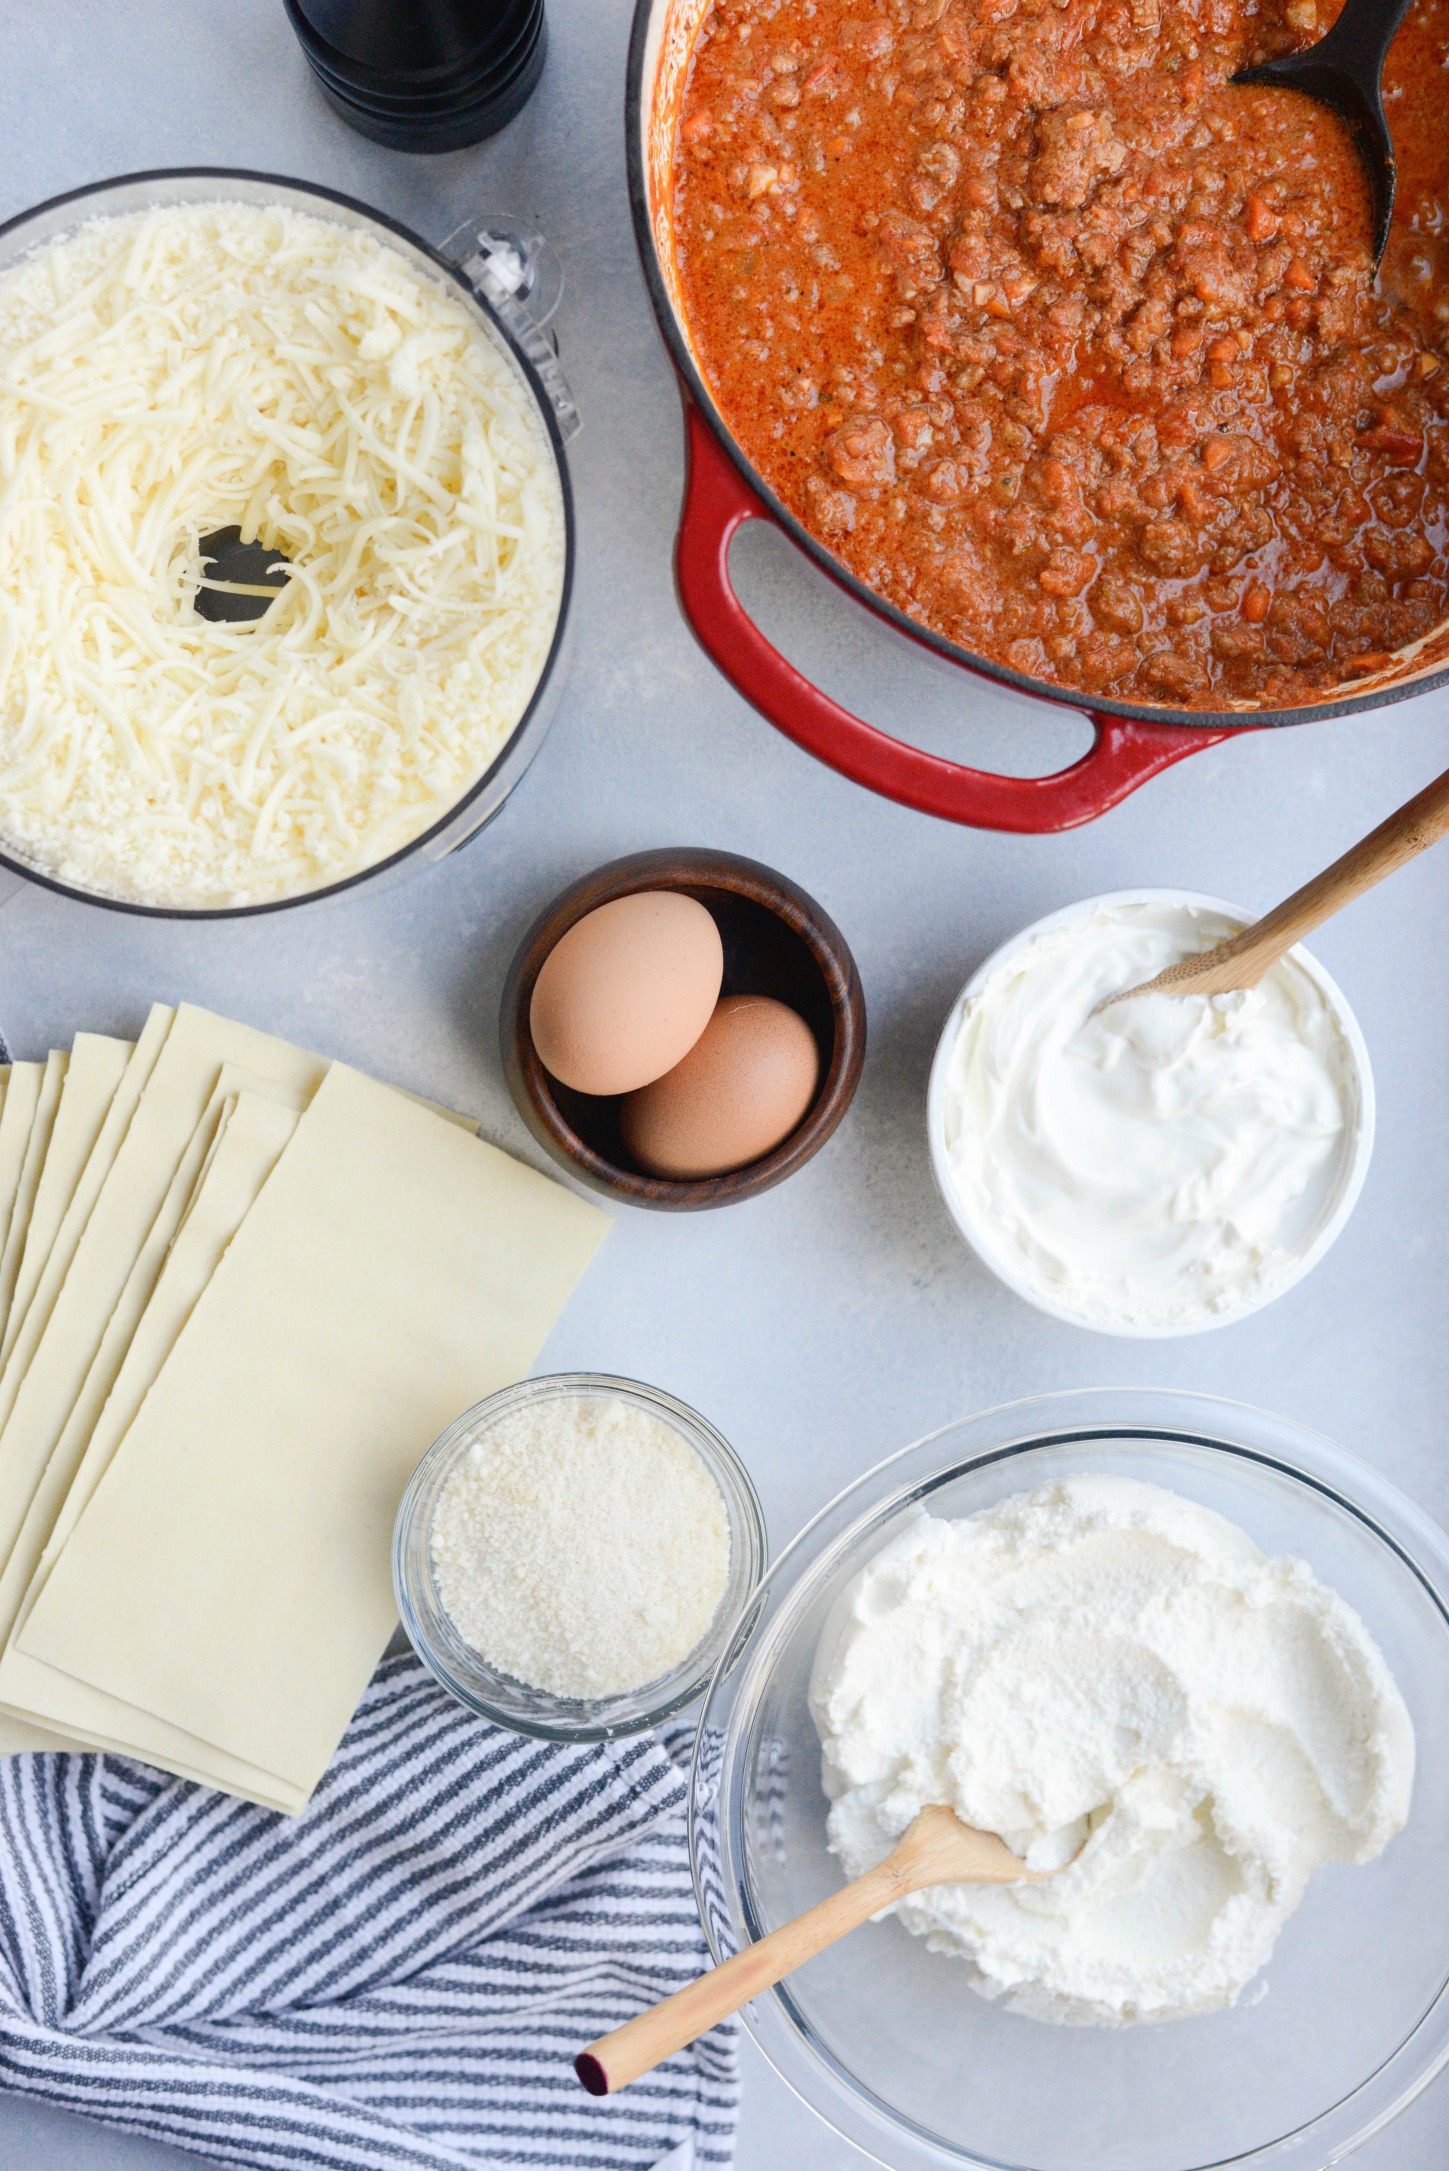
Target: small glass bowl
<point>516,1704</point>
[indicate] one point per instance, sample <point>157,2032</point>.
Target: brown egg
<point>743,1087</point>
<point>627,991</point>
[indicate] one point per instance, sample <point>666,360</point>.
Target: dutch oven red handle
<point>1124,753</point>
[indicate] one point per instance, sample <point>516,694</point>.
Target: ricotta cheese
<point>1168,1163</point>
<point>174,372</point>
<point>1116,1680</point>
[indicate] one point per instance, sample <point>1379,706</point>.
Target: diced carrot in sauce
<point>1403,447</point>
<point>1261,220</point>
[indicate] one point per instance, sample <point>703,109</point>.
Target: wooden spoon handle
<point>1417,825</point>
<point>1242,962</point>
<point>644,2042</point>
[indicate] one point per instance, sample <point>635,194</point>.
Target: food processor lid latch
<point>512,268</point>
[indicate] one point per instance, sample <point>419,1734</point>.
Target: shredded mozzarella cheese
<point>174,372</point>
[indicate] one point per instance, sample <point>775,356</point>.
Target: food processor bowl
<point>503,322</point>
<point>887,2040</point>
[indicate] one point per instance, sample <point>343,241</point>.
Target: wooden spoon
<point>937,1849</point>
<point>1242,960</point>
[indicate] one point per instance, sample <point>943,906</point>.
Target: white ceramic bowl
<point>982,1238</point>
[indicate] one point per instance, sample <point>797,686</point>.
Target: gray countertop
<point>837,1318</point>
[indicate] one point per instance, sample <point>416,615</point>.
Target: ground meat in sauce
<point>1068,348</point>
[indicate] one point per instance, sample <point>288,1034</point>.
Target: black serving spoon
<point>1345,71</point>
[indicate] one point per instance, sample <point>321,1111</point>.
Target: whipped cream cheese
<point>1168,1163</point>
<point>1115,1679</point>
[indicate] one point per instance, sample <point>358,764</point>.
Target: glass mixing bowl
<point>885,2039</point>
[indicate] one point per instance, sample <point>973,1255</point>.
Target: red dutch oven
<point>1132,741</point>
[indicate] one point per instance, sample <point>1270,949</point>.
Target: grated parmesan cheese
<point>173,372</point>
<point>581,1545</point>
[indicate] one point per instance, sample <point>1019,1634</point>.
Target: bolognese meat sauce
<point>1068,347</point>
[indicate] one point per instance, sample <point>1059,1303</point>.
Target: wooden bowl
<point>777,941</point>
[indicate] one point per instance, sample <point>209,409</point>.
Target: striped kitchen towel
<point>395,1981</point>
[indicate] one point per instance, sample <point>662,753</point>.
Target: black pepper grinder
<point>423,75</point>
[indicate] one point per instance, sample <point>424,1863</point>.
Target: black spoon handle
<point>1359,41</point>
